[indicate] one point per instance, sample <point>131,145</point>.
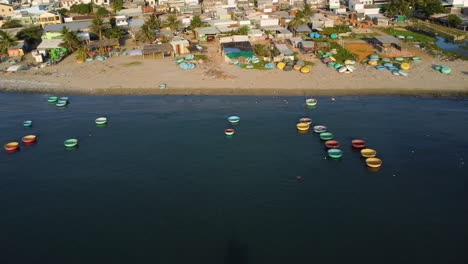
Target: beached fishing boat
<point>306,120</point>
<point>229,132</point>
<point>368,153</point>
<point>101,120</point>
<point>335,153</point>
<point>311,101</point>
<point>11,146</point>
<point>162,86</point>
<point>374,162</point>
<point>29,138</point>
<point>27,123</point>
<point>332,144</point>
<point>326,136</point>
<point>52,99</point>
<point>358,143</point>
<point>234,119</point>
<point>69,143</point>
<point>303,126</point>
<point>320,129</point>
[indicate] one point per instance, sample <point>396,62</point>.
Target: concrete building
<point>456,3</point>
<point>332,4</point>
<point>6,11</point>
<point>49,18</point>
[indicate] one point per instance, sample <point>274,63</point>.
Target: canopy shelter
<point>386,43</point>
<point>165,49</point>
<point>234,50</point>
<point>104,43</point>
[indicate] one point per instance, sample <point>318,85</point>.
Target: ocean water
<point>161,183</point>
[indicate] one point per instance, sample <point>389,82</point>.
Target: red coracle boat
<point>305,120</point>
<point>358,143</point>
<point>332,144</point>
<point>29,138</point>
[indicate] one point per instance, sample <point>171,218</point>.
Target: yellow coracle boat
<point>305,69</point>
<point>374,162</point>
<point>11,146</point>
<point>405,66</point>
<point>368,153</point>
<point>303,126</point>
<point>297,67</point>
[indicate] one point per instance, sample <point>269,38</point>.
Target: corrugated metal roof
<point>50,43</point>
<point>72,26</point>
<point>283,49</point>
<point>387,39</point>
<point>207,30</point>
<point>302,28</point>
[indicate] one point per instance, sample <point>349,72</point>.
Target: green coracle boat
<point>69,143</point>
<point>335,153</point>
<point>326,136</point>
<point>101,120</point>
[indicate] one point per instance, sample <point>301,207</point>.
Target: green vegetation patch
<point>133,63</point>
<point>336,29</point>
<point>343,54</point>
<point>200,57</point>
<point>416,36</point>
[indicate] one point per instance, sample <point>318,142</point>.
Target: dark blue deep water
<point>162,183</point>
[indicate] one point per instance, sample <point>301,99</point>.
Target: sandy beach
<point>122,76</point>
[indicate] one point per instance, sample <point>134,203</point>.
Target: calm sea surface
<point>163,184</point>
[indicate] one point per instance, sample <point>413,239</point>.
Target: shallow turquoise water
<point>162,183</point>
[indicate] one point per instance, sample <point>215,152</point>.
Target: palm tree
<point>172,23</point>
<point>298,20</point>
<point>82,53</point>
<point>98,26</point>
<point>6,40</point>
<point>153,22</point>
<point>307,10</point>
<point>71,41</point>
<point>146,34</point>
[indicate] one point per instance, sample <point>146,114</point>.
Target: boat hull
<point>69,143</point>
<point>335,153</point>
<point>368,153</point>
<point>332,144</point>
<point>11,146</point>
<point>306,120</point>
<point>357,143</point>
<point>326,136</point>
<point>374,162</point>
<point>29,139</point>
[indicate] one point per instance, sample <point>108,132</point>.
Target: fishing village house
<point>6,12</point>
<point>284,53</point>
<point>50,17</point>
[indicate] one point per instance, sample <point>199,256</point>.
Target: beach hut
<point>165,49</point>
<point>386,43</point>
<point>106,44</point>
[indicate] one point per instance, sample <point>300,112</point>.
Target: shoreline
<point>240,92</point>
